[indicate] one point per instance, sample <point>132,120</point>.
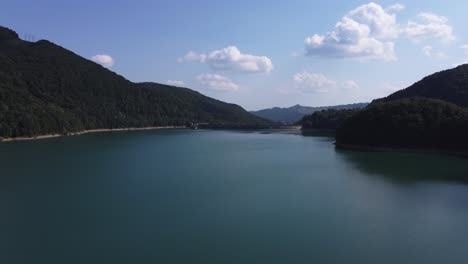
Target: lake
<point>182,196</point>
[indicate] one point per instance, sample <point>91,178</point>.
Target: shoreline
<point>463,153</point>
<point>103,130</point>
<point>90,131</point>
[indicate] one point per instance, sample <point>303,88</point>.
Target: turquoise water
<point>184,196</point>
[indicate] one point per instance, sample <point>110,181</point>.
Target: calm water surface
<point>227,197</point>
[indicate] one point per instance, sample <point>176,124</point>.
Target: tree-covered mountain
<point>449,85</point>
<point>330,119</point>
<point>407,123</point>
<point>294,114</point>
<point>431,113</point>
<point>46,89</point>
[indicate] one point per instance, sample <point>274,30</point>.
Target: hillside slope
<point>407,123</point>
<point>449,85</point>
<point>330,119</point>
<point>431,113</point>
<point>46,89</point>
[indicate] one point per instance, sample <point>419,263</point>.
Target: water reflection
<point>318,133</point>
<point>406,168</point>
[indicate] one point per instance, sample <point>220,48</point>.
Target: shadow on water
<point>408,168</point>
<point>318,133</point>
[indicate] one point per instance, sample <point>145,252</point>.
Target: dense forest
<point>407,123</point>
<point>327,119</point>
<point>47,89</point>
<point>431,114</point>
<point>294,114</point>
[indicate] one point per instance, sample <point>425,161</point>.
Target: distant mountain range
<point>294,114</point>
<point>46,89</point>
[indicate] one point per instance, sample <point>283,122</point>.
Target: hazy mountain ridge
<point>294,114</point>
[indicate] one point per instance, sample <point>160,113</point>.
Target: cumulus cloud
<point>175,83</point>
<point>380,22</point>
<point>429,26</point>
<point>395,7</point>
<point>193,56</point>
<point>350,85</point>
<point>362,33</point>
<point>369,32</point>
<point>217,82</point>
<point>427,50</point>
<point>232,59</point>
<point>311,82</point>
<point>465,49</point>
<point>103,59</point>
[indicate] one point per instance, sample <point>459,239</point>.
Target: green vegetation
<point>450,85</point>
<point>46,89</point>
<point>327,119</point>
<point>294,114</point>
<point>407,123</point>
<point>430,114</point>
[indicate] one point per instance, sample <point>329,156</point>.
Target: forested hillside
<point>431,113</point>
<point>46,89</point>
<point>407,123</point>
<point>449,85</point>
<point>327,119</point>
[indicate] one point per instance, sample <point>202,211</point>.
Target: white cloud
<point>369,31</point>
<point>217,82</point>
<point>175,83</point>
<point>429,52</point>
<point>395,7</point>
<point>465,49</point>
<point>429,26</point>
<point>231,59</point>
<point>381,23</point>
<point>432,18</point>
<point>103,59</point>
<point>360,34</point>
<point>311,82</point>
<point>193,56</point>
<point>349,85</point>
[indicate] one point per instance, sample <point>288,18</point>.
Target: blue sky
<point>258,54</point>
